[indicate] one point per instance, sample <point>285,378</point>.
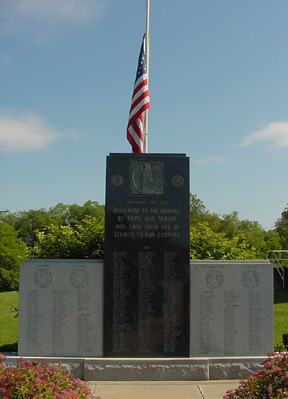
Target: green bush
<point>270,382</point>
<point>279,347</point>
<point>37,380</point>
<point>206,244</point>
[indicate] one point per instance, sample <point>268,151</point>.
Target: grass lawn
<point>280,314</point>
<point>9,324</point>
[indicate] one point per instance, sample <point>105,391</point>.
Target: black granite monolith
<point>146,279</point>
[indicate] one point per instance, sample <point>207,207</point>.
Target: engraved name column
<point>173,309</point>
<point>120,302</point>
<point>250,279</point>
<point>213,280</point>
<point>80,279</point>
<point>35,314</point>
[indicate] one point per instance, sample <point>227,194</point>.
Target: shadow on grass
<point>9,348</point>
<point>280,296</point>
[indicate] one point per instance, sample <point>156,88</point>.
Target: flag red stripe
<point>139,87</point>
<point>135,135</point>
<point>135,111</point>
<point>139,104</point>
<point>141,97</point>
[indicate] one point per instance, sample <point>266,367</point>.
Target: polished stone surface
<point>147,256</point>
<point>61,308</point>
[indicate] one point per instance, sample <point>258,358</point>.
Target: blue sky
<point>218,91</point>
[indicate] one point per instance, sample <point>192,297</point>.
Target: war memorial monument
<point>146,312</point>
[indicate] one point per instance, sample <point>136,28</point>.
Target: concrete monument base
<point>176,369</point>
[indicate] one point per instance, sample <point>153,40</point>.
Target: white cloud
<point>211,161</point>
<point>43,18</point>
<point>275,135</point>
<point>26,133</point>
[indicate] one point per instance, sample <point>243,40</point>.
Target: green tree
<point>230,225</point>
<point>12,252</point>
<point>82,241</point>
<point>272,240</point>
<point>206,244</point>
<point>28,222</point>
<point>199,214</point>
<point>92,231</point>
<point>254,234</point>
<point>281,227</point>
<point>75,214</point>
<point>58,214</point>
<point>197,206</point>
<point>260,239</point>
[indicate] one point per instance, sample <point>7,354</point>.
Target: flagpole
<point>147,43</point>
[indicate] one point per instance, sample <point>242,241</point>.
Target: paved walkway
<point>161,390</point>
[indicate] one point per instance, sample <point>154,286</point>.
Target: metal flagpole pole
<point>147,42</point>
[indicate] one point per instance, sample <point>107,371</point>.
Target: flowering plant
<point>270,382</point>
<point>37,380</point>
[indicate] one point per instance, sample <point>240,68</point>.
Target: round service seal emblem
<point>43,278</point>
<point>80,278</point>
<point>214,279</point>
<point>250,279</point>
<point>117,180</point>
<point>178,181</point>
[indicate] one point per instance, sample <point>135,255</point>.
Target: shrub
<point>270,382</point>
<point>39,380</point>
<point>279,347</point>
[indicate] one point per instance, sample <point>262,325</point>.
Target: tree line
<point>77,232</point>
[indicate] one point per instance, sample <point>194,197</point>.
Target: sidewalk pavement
<point>161,390</point>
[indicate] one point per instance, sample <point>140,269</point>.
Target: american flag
<point>140,102</point>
